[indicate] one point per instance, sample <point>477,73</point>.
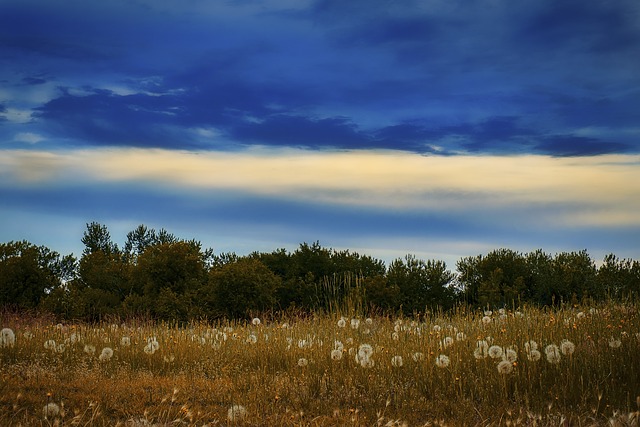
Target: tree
<point>28,273</point>
<point>169,269</point>
<point>97,238</point>
<point>238,288</point>
<point>421,284</point>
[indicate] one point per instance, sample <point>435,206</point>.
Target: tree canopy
<point>157,274</point>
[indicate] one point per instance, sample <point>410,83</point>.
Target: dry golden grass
<point>283,373</point>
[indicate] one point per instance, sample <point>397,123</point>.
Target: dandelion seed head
<point>255,321</point>
<point>417,356</point>
<point>567,347</point>
<point>495,352</point>
<point>355,323</point>
<point>302,362</point>
<point>442,361</point>
<point>552,352</point>
<point>505,367</point>
<point>336,354</point>
<point>436,328</point>
<point>236,413</point>
<point>510,355</point>
<point>367,363</point>
<point>486,320</point>
<point>252,339</point>
<point>50,410</point>
<point>461,336</point>
<point>125,341</point>
<point>50,345</point>
<point>365,351</point>
<point>89,349</point>
<point>396,361</point>
<point>106,354</point>
<point>7,337</point>
<point>534,355</point>
<point>447,342</point>
<point>342,323</point>
<point>615,343</point>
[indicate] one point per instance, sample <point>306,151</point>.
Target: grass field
<point>573,366</point>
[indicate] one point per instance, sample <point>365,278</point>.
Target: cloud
<point>598,191</point>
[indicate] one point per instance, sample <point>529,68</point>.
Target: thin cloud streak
<point>598,191</point>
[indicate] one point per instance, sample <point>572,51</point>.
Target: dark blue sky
<point>441,128</point>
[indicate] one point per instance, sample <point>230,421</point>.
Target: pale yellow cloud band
<point>602,190</point>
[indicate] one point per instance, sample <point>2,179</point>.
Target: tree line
<point>159,275</point>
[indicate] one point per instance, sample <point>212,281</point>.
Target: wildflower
<point>303,343</point>
<point>152,345</point>
<point>106,354</point>
<point>73,338</point>
<point>505,367</point>
<point>7,338</point>
<point>442,361</point>
<point>530,345</point>
<point>495,352</point>
<point>534,355</point>
<point>342,323</point>
<point>302,362</point>
<point>355,323</point>
<point>418,356</point>
<point>367,363</point>
<point>236,413</point>
<point>615,343</point>
<point>50,410</point>
<point>396,361</point>
<point>510,355</point>
<point>89,349</point>
<point>447,342</point>
<point>553,353</point>
<point>255,321</point>
<point>125,341</point>
<point>365,351</point>
<point>50,345</point>
<point>479,354</point>
<point>486,320</point>
<point>482,349</point>
<point>336,354</point>
<point>567,347</point>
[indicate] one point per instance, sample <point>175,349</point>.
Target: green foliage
<point>421,284</point>
<point>160,275</point>
<point>238,288</point>
<point>29,272</point>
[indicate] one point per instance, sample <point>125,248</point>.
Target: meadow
<point>573,366</point>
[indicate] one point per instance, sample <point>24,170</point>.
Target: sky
<point>438,128</point>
